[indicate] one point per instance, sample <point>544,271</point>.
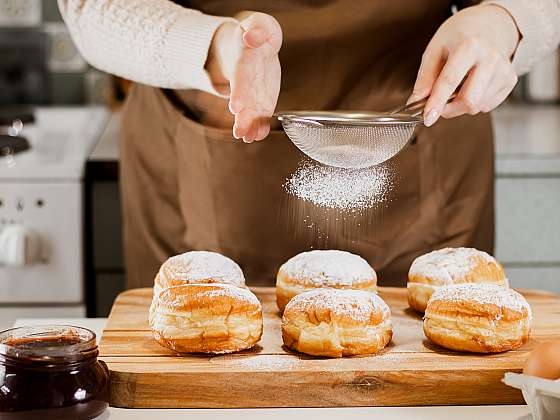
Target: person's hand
<point>473,47</point>
<point>243,62</point>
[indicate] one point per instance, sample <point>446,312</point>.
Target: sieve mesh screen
<point>349,146</point>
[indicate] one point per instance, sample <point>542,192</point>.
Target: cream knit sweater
<point>159,43</point>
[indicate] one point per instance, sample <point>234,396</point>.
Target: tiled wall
<point>70,79</point>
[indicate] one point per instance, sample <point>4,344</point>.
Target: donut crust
<point>320,328</point>
<point>196,267</point>
<point>287,287</point>
<point>323,269</point>
<point>421,285</point>
<point>207,318</point>
<point>471,326</point>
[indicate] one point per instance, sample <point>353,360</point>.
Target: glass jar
<point>51,372</point>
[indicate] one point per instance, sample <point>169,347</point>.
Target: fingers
<point>241,126</point>
<point>264,130</point>
<point>486,76</point>
<point>430,68</point>
<point>457,66</point>
<point>235,104</point>
<point>253,99</point>
<point>255,81</point>
<point>255,38</point>
<point>251,134</point>
<point>250,127</point>
<point>473,91</point>
<point>260,28</point>
<point>487,86</point>
<point>501,86</point>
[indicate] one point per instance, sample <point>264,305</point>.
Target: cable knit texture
<point>159,43</point>
<point>538,22</point>
<point>154,42</point>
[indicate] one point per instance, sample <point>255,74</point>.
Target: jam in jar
<point>51,372</point>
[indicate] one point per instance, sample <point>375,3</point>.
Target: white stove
<point>41,214</point>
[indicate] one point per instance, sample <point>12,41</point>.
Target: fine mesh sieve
<point>352,140</point>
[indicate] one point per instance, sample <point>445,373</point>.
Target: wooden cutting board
<point>410,371</point>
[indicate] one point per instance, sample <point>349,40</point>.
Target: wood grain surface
<point>409,371</point>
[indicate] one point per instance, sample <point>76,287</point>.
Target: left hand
<point>243,58</point>
<point>472,48</point>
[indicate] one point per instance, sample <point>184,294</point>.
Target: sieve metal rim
<point>347,118</point>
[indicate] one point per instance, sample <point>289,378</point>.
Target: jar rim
<point>85,347</point>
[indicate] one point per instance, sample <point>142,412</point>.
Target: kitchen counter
<point>506,412</point>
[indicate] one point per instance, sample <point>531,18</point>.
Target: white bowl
<point>541,395</point>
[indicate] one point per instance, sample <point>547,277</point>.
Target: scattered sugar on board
<point>355,304</point>
<point>483,293</point>
<point>266,363</point>
<point>201,265</point>
<point>448,264</point>
<point>328,268</point>
<point>332,187</point>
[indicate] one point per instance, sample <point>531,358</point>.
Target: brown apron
<point>187,184</point>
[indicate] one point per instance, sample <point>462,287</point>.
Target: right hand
<point>474,46</point>
<point>243,62</point>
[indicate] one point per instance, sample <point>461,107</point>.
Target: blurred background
<point>59,198</point>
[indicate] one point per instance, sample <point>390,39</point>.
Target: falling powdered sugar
<point>332,187</point>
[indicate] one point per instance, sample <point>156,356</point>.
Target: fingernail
<point>254,38</point>
<point>431,118</point>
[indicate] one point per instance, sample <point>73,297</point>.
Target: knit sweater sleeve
<point>538,22</point>
<point>154,42</point>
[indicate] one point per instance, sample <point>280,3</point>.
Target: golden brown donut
<point>478,317</point>
<point>197,267</point>
<point>207,318</point>
<point>323,268</point>
<point>336,323</point>
<point>450,266</point>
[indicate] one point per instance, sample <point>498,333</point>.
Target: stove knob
<point>19,246</point>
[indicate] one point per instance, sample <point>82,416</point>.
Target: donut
<point>207,318</point>
<point>336,323</point>
<point>323,268</point>
<point>477,317</point>
<point>450,266</point>
<point>196,267</point>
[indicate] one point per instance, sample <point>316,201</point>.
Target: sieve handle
<point>416,108</point>
<point>296,118</point>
